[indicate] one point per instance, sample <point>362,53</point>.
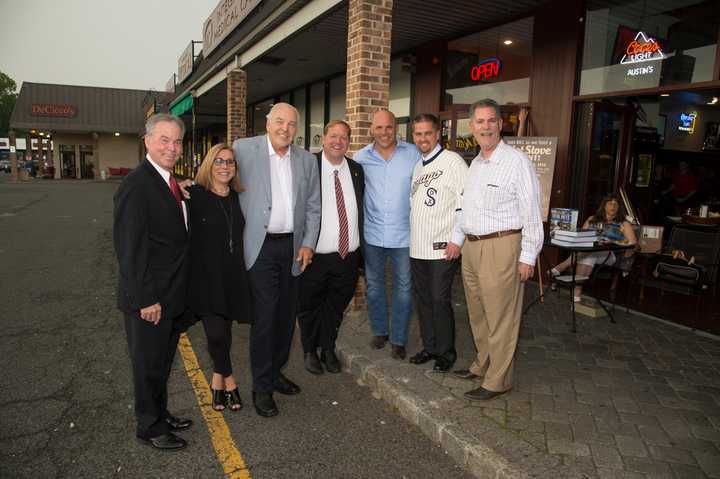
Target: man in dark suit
<point>281,205</point>
<point>328,284</point>
<point>150,236</point>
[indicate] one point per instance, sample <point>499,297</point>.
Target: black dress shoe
<point>482,394</point>
<point>422,357</point>
<point>378,342</point>
<point>177,424</point>
<point>465,374</point>
<point>312,363</point>
<point>442,365</point>
<point>264,404</point>
<point>284,386</point>
<point>233,400</point>
<point>166,442</point>
<point>398,352</point>
<point>332,363</point>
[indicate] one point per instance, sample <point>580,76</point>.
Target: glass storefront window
<point>299,103</point>
<point>494,63</point>
<point>337,98</point>
<point>317,116</point>
<point>400,83</point>
<point>639,44</point>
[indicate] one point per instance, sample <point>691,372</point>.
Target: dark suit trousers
<point>152,351</point>
<point>274,290</point>
<point>326,288</point>
<point>431,287</point>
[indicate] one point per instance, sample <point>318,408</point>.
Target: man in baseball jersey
<point>436,198</point>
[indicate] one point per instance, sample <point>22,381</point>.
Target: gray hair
<point>277,106</point>
<point>485,103</point>
<point>152,122</point>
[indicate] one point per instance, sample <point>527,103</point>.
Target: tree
<point>7,102</point>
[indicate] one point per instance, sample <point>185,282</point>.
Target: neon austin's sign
<point>687,122</point>
<point>642,49</point>
<point>487,69</point>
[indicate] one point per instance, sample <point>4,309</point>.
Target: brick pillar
<point>13,156</point>
<point>368,65</point>
<point>368,79</point>
<point>236,105</point>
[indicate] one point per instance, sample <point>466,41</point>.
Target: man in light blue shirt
<point>388,165</point>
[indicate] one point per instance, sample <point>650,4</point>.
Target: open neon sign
<point>487,69</point>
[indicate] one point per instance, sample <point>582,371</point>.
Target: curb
<point>483,448</point>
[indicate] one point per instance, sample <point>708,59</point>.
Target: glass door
<point>601,164</point>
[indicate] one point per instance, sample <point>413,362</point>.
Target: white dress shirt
<point>166,176</point>
<point>281,214</point>
<point>330,223</point>
<point>502,193</point>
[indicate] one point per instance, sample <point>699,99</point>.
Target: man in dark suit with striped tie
<point>328,284</point>
<point>150,237</point>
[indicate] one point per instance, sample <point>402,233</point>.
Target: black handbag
<point>679,271</point>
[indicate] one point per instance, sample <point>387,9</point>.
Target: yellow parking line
<point>230,458</point>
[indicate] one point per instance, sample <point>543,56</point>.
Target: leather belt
<point>497,234</point>
<point>278,236</point>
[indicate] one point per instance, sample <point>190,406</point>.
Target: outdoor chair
<point>677,276</point>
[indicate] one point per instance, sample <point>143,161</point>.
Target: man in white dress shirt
<point>328,284</point>
<point>501,228</point>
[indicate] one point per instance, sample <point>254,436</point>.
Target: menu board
<point>541,151</point>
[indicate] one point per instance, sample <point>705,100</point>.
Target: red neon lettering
<point>485,70</point>
<point>634,47</point>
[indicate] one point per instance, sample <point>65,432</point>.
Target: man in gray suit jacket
<point>281,204</point>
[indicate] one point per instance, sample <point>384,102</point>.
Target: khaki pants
<point>494,296</point>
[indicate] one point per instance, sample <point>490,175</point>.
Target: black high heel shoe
<point>233,400</point>
<point>219,399</point>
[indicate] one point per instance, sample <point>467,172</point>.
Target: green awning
<point>182,106</point>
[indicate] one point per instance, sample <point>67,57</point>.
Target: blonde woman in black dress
<point>219,291</point>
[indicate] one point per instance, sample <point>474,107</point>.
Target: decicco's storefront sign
<point>53,110</point>
<point>227,15</point>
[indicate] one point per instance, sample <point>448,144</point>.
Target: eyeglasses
<point>222,161</point>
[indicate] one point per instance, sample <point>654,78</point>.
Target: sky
<point>110,43</point>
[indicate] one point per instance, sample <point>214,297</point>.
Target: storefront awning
<point>182,106</point>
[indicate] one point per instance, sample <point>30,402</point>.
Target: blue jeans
<point>375,259</point>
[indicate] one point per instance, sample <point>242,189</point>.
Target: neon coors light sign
<point>642,49</point>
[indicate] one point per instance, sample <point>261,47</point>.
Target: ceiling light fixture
<point>117,133</point>
<point>664,94</point>
<point>508,42</point>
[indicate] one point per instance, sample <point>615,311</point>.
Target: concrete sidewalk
<point>636,399</point>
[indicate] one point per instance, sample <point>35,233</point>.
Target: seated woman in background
<point>610,216</point>
<point>218,286</point>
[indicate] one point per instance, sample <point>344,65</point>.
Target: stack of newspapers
<point>575,239</point>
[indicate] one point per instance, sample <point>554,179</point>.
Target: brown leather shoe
<point>465,374</point>
<point>378,342</point>
<point>482,394</point>
<point>398,352</point>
